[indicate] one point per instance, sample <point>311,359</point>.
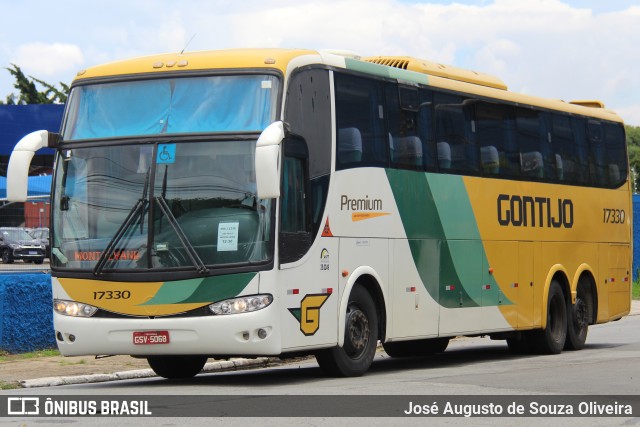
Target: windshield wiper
<point>137,209</point>
<point>186,244</point>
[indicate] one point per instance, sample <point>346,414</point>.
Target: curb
<point>220,366</point>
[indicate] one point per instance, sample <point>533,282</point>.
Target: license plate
<point>33,252</point>
<point>150,337</point>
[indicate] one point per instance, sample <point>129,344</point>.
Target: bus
<point>286,202</point>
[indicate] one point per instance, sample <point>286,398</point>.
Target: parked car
<point>16,243</point>
<point>42,234</point>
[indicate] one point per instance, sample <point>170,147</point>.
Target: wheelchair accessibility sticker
<point>166,154</point>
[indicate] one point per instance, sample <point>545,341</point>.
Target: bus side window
<point>295,224</point>
<point>597,160</point>
<point>580,151</point>
<point>615,146</point>
<point>563,146</point>
<point>405,147</point>
<point>455,141</point>
<point>499,153</point>
<point>536,155</point>
<point>361,140</point>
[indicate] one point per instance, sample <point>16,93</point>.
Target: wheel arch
<point>559,274</point>
<point>368,278</point>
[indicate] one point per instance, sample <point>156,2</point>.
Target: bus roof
<point>193,61</point>
<point>396,67</point>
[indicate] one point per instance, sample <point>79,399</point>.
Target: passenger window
<point>580,149</point>
<point>562,141</point>
<point>456,148</point>
<point>615,146</point>
<point>537,157</point>
<point>597,159</point>
<point>361,139</point>
<point>405,146</point>
<point>499,154</point>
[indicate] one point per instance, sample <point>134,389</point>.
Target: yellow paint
<point>590,245</point>
<point>121,297</point>
<point>310,313</point>
<point>191,61</point>
<point>361,216</point>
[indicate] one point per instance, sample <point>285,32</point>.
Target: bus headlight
<point>74,309</point>
<point>241,304</point>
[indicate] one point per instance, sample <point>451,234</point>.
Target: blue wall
<point>18,120</point>
<point>26,318</point>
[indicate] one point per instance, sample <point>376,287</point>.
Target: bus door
<point>308,273</point>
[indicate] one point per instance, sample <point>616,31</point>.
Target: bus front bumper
<point>246,334</point>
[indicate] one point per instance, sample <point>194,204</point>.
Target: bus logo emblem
<point>309,312</point>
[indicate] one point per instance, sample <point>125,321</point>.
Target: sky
<point>562,49</point>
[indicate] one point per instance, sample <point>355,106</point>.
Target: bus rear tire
<point>177,367</point>
<point>354,358</point>
<point>551,340</point>
<point>578,321</point>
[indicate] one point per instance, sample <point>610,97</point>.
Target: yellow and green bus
<point>274,202</point>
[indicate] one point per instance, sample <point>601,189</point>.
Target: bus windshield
<point>159,206</point>
<point>240,103</point>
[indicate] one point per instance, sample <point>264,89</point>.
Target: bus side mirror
<point>18,169</point>
<point>267,156</point>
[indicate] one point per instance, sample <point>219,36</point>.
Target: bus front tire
<point>551,340</point>
<point>360,339</point>
<point>176,367</point>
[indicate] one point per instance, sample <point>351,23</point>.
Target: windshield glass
<point>240,103</point>
<point>15,234</point>
<point>159,206</point>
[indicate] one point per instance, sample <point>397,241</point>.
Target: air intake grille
<point>390,62</point>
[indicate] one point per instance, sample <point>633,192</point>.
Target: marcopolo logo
<point>529,211</point>
<point>363,208</point>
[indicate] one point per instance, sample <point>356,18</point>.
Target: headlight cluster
<point>74,309</point>
<point>241,304</point>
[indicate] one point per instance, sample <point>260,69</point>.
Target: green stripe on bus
<point>385,71</point>
<point>209,289</point>
<point>444,238</point>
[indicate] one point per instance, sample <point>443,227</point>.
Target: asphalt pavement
<point>58,373</point>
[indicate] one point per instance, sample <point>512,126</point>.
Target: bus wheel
<point>360,339</point>
<point>551,339</point>
<point>431,346</point>
<point>578,322</point>
<point>176,367</point>
<point>398,348</point>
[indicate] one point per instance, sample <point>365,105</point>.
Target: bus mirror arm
<point>267,160</point>
<point>21,156</point>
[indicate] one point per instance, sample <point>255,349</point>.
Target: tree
<point>633,148</point>
<point>29,93</point>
